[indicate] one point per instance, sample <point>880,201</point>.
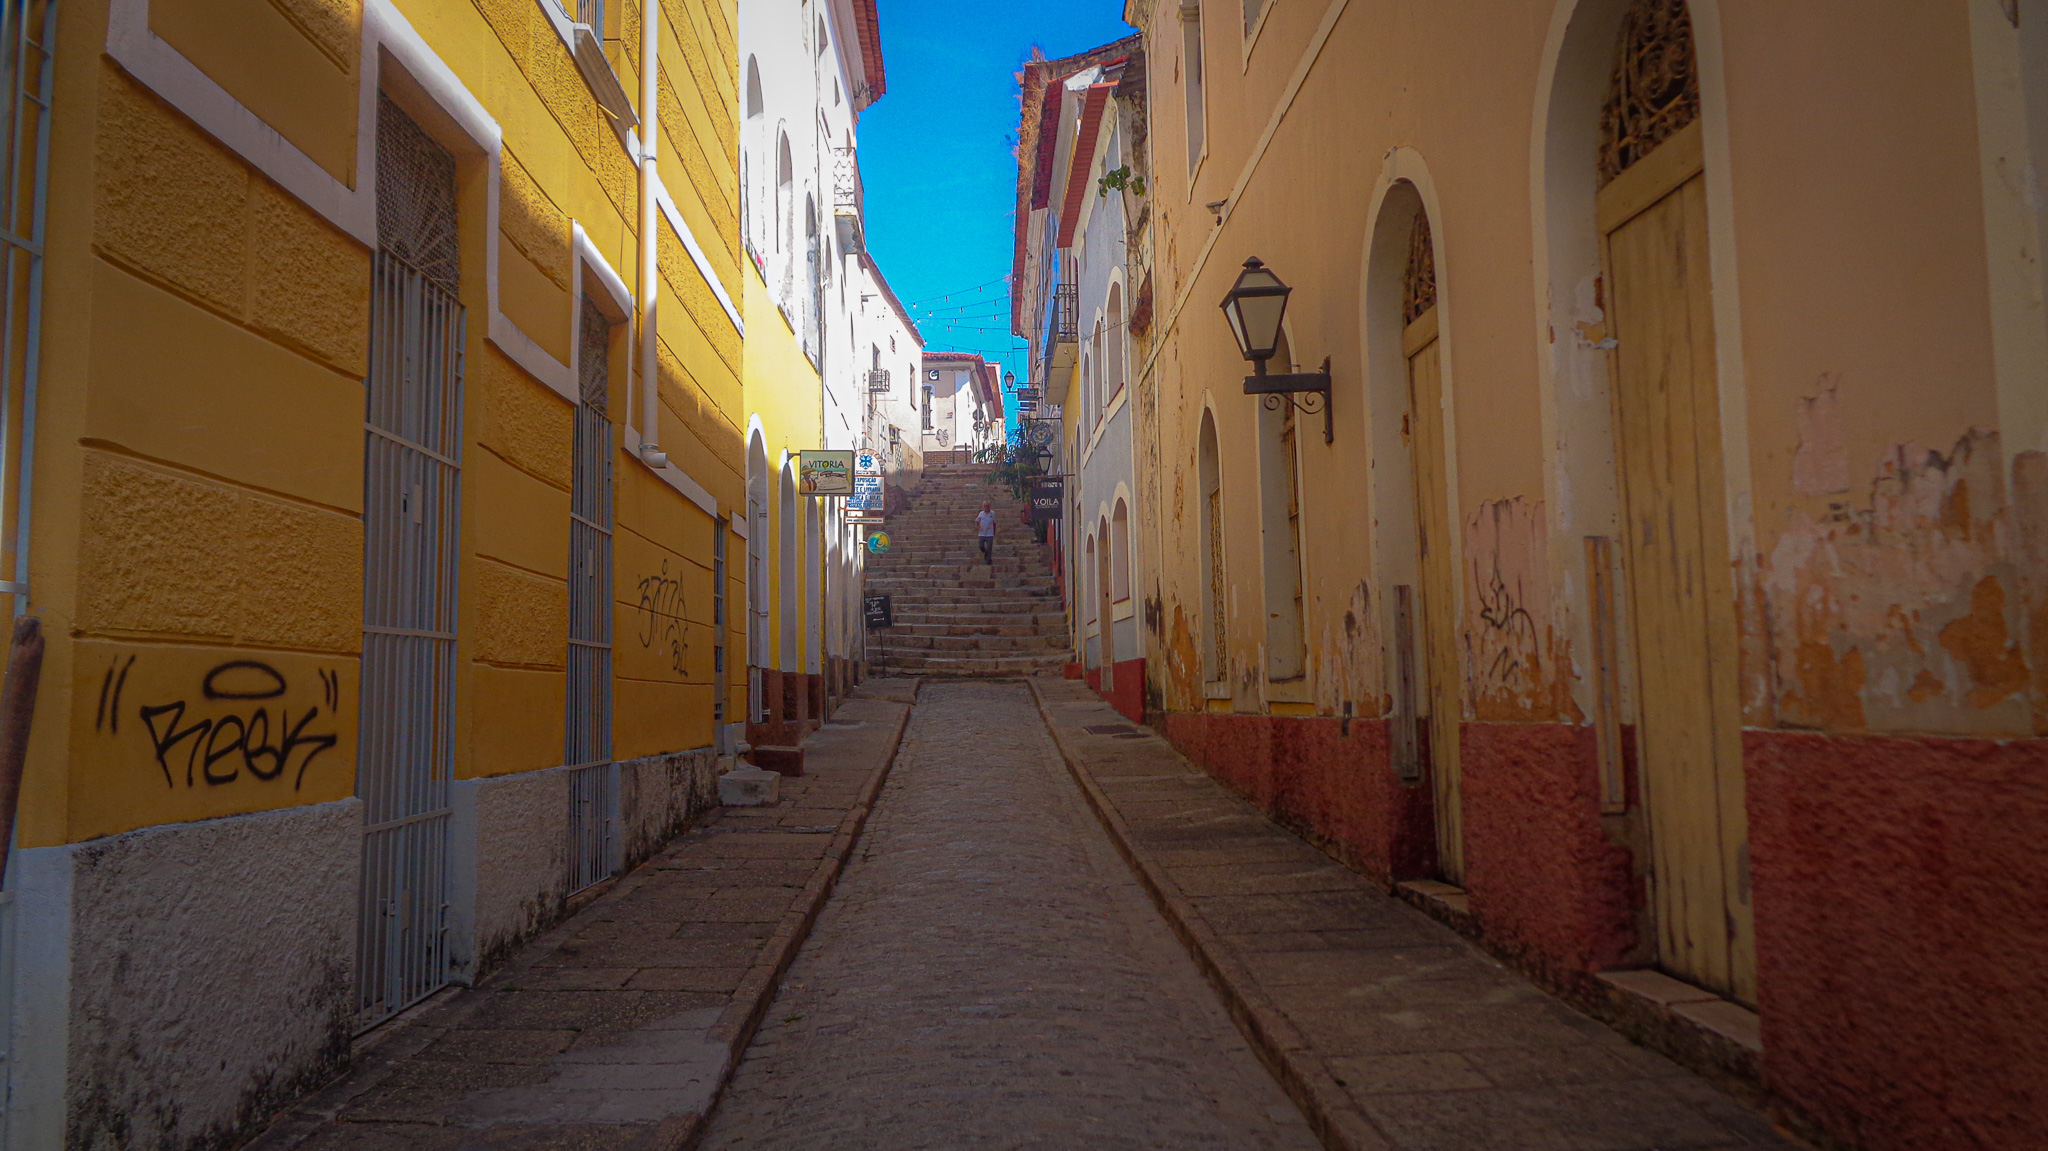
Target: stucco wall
<point>212,973</point>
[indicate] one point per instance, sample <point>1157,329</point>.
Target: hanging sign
<point>880,610</point>
<point>867,462</point>
<point>867,494</point>
<point>825,473</point>
<point>1048,499</point>
<point>879,543</point>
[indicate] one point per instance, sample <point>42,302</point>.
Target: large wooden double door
<point>1681,596</point>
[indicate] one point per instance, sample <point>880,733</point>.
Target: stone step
<point>968,665</point>
<point>951,643</point>
<point>1001,611</point>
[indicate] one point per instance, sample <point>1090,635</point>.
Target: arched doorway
<point>757,574</point>
<point>1105,608</point>
<point>1215,624</point>
<point>1414,502</point>
<point>789,579</point>
<point>1651,207</point>
<point>1432,634</point>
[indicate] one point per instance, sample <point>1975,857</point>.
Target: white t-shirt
<point>987,520</point>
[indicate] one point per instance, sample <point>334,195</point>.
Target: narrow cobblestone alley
<point>990,975</point>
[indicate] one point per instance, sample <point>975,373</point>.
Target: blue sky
<point>936,154</point>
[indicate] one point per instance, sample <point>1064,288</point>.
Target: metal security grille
<point>27,32</point>
<point>411,509</point>
<point>593,785</point>
<point>718,684</point>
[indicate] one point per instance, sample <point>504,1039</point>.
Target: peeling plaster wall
<point>212,974</point>
<point>1517,666</point>
<point>1902,607</point>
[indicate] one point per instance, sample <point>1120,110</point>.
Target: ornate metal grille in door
<point>593,784</point>
<point>411,501</point>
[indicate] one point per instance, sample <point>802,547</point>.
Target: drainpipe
<point>650,240</point>
<point>17,708</point>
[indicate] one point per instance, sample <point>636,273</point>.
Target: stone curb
<point>1301,1072</point>
<point>749,1004</point>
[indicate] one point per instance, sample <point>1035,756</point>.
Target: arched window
<point>1120,553</point>
<point>1209,489</point>
<point>755,104</point>
<point>1088,587</point>
<point>1101,373</point>
<point>1087,394</point>
<point>1113,349</point>
<point>1655,90</point>
<point>785,191</point>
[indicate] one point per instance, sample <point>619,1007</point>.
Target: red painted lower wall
<point>1901,892</point>
<point>1127,693</point>
<point>1547,886</point>
<point>1328,779</point>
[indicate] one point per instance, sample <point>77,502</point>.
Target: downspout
<point>650,240</point>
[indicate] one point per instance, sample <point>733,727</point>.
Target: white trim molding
<point>697,257</point>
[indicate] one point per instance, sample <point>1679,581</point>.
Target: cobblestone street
<point>990,975</point>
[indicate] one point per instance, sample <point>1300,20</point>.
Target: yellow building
<point>809,69</point>
<point>385,600</point>
<point>1667,592</point>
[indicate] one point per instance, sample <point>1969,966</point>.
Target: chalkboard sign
<point>881,612</point>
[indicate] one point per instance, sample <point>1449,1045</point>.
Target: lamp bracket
<point>1282,387</point>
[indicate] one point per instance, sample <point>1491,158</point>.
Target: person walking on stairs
<point>986,521</point>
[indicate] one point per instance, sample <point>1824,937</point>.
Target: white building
<point>895,351</point>
<point>1079,280</point>
<point>962,398</point>
<point>808,68</point>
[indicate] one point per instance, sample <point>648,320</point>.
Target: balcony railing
<point>1063,322</point>
<point>1062,331</point>
<point>878,380</point>
<point>849,200</point>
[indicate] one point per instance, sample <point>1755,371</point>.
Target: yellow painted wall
<point>198,552</point>
<point>784,392</point>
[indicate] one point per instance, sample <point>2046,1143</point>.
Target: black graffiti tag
<point>661,616</point>
<point>218,750</point>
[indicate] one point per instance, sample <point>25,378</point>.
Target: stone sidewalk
<point>1389,1030</point>
<point>618,1028</point>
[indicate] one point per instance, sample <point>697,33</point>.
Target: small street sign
<point>880,610</point>
<point>878,543</point>
<point>867,463</point>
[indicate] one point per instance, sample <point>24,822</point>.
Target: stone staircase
<point>955,616</point>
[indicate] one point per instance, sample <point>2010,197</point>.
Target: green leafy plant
<point>1016,464</point>
<point>1121,180</point>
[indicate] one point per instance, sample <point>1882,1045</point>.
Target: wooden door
<point>1106,640</point>
<point>1680,588</point>
<point>1438,586</point>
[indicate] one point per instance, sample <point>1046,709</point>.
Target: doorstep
<point>1717,1037</point>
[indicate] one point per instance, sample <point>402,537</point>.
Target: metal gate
<point>411,493</point>
<point>594,782</point>
<point>28,30</point>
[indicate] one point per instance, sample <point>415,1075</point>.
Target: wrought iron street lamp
<point>1255,306</point>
